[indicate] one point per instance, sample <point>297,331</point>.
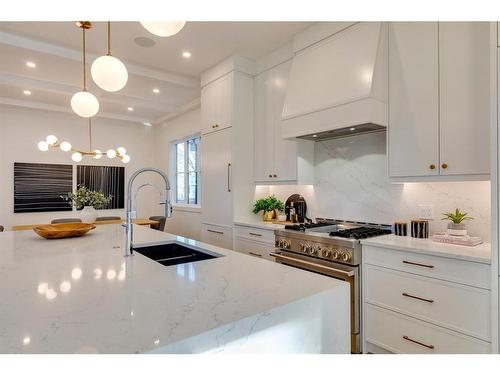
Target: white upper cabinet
<point>217,104</point>
<point>439,104</point>
<point>276,159</point>
<point>413,99</point>
<point>464,77</point>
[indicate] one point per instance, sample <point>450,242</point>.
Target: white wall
<point>351,183</point>
<point>184,221</point>
<point>20,131</point>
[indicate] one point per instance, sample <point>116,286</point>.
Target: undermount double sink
<point>172,253</point>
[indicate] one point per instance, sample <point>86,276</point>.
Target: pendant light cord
<point>84,61</point>
<point>90,134</point>
<point>109,38</point>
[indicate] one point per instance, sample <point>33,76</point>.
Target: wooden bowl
<point>65,230</point>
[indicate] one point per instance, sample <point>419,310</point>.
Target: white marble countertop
<point>480,253</point>
<point>80,295</point>
<point>260,225</point>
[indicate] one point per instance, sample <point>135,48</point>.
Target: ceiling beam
<point>64,109</point>
<point>72,54</point>
<point>183,109</point>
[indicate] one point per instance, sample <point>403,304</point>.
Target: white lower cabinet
<point>416,303</point>
<point>254,241</point>
<point>217,235</point>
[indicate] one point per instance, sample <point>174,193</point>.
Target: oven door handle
<point>330,270</point>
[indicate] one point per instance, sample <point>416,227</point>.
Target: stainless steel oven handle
<point>320,266</point>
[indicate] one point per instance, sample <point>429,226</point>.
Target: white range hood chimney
<point>338,86</point>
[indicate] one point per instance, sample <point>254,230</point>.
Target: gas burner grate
<point>360,233</point>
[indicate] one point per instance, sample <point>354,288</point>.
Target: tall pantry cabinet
<point>226,143</point>
<point>439,107</point>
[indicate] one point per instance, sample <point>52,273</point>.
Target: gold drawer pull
<point>255,234</point>
<point>444,165</point>
<point>255,254</point>
<point>418,342</point>
<point>419,298</point>
<point>418,264</point>
<point>214,231</point>
<point>432,166</point>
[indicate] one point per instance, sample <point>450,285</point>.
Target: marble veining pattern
<point>81,295</point>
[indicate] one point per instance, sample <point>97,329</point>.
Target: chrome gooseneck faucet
<point>131,213</point>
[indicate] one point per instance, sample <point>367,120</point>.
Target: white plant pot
<point>456,229</point>
<point>88,215</point>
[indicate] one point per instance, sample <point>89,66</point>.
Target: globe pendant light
<point>84,103</point>
<point>108,72</point>
<point>163,28</point>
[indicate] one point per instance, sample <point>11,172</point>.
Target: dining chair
<point>68,220</point>
<point>1,228</point>
<point>108,218</point>
<point>161,222</point>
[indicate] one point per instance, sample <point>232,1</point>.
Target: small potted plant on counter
<point>88,201</point>
<point>269,206</point>
<point>456,227</point>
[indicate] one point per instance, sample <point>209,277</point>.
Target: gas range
<point>329,239</point>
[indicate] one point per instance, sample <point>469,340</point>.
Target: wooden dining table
<point>138,221</point>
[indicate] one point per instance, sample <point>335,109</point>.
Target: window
<point>187,171</point>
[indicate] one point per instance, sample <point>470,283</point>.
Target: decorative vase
<point>269,215</point>
<point>456,229</point>
<point>88,215</point>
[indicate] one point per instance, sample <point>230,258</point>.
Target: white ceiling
<point>56,49</point>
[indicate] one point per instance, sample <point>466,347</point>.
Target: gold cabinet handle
<point>270,176</point>
<point>419,298</point>
<point>275,175</point>
<point>444,165</point>
<point>214,231</point>
<point>418,264</point>
<point>255,254</point>
<point>418,342</point>
<point>255,234</point>
<point>432,166</point>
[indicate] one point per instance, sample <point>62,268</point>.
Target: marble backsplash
<point>351,183</point>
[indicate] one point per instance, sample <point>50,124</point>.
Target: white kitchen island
<point>81,295</point>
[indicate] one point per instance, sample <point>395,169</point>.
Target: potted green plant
<point>268,206</point>
<point>88,201</point>
<point>456,227</point>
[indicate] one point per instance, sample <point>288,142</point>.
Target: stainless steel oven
<point>339,271</point>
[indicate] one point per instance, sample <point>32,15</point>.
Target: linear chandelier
<point>52,142</point>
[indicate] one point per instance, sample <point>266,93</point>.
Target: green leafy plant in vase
<point>456,226</point>
<point>268,206</point>
<point>88,201</point>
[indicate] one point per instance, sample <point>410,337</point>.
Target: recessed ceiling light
<point>186,54</point>
<point>147,124</point>
<point>27,92</point>
<point>352,129</point>
<point>30,64</point>
<point>130,109</point>
<point>156,91</point>
<point>315,135</point>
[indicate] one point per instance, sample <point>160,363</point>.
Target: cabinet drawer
<point>256,249</point>
<point>459,271</point>
<point>217,235</point>
<point>455,306</point>
<point>401,334</point>
<point>255,234</point>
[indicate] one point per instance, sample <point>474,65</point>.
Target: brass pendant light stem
<point>84,61</point>
<point>109,38</point>
<point>90,135</point>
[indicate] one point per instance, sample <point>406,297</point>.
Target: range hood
<point>338,87</point>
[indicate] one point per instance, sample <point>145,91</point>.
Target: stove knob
<point>335,254</point>
<point>276,243</point>
<point>327,253</point>
<point>313,250</point>
<point>287,244</point>
<point>302,246</point>
<point>346,257</point>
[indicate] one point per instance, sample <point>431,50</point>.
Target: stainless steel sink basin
<point>172,253</point>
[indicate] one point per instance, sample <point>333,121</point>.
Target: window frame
<point>186,171</point>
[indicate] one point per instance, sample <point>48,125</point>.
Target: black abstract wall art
<point>107,180</point>
<point>38,187</point>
